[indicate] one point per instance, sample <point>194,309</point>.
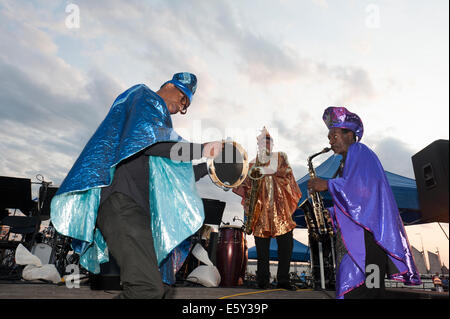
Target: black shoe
<point>287,286</point>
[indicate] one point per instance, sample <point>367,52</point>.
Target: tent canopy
<point>404,189</point>
<point>300,252</point>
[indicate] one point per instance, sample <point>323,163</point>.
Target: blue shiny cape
<point>363,199</point>
<point>137,119</point>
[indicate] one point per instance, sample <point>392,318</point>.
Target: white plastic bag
<point>46,272</point>
<point>34,268</point>
<point>207,275</point>
<point>24,257</point>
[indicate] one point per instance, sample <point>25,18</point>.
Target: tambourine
<point>230,167</point>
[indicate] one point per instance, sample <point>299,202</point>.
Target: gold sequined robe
<point>278,197</point>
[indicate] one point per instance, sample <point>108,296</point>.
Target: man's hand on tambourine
<point>212,149</point>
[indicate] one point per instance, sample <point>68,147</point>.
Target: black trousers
<point>375,257</point>
<point>285,244</point>
<point>127,230</point>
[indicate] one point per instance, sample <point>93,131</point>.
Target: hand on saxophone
<point>255,172</point>
<point>317,185</point>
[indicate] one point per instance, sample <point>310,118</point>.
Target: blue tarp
<point>404,189</point>
<point>300,252</point>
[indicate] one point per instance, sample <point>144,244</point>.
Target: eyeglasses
<point>184,101</point>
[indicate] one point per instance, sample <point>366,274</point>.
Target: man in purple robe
<point>371,241</point>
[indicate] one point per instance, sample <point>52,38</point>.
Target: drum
<point>231,255</point>
<point>229,168</point>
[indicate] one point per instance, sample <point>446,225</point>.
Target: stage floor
<point>39,290</point>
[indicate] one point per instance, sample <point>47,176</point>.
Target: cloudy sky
<point>258,62</point>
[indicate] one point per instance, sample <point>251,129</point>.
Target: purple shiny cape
<point>362,200</point>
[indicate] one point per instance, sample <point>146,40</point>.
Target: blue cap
<point>186,82</point>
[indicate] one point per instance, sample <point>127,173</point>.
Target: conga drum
<point>230,257</point>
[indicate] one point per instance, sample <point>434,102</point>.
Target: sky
<point>259,63</point>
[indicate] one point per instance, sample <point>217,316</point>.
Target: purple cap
<point>342,118</point>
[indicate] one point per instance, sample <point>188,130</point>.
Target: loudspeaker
<point>16,193</point>
<point>45,198</point>
<point>431,172</point>
<point>213,211</point>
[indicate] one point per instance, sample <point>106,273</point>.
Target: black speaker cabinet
<point>213,211</point>
<point>45,199</point>
<point>431,172</point>
<point>15,193</point>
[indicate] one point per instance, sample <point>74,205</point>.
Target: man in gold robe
<point>277,196</point>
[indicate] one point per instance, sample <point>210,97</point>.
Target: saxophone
<point>321,214</point>
<point>253,198</point>
<point>319,233</point>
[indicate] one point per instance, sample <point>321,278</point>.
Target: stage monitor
<point>431,172</point>
<point>213,211</point>
<point>16,193</point>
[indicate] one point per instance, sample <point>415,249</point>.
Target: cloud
<point>166,29</point>
<point>321,3</point>
<point>48,109</point>
<point>356,82</point>
<point>31,103</point>
<point>43,132</point>
<point>394,155</point>
<point>353,83</point>
<point>47,97</point>
<point>265,62</point>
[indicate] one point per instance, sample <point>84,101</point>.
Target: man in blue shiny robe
<point>126,195</point>
<point>371,240</point>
